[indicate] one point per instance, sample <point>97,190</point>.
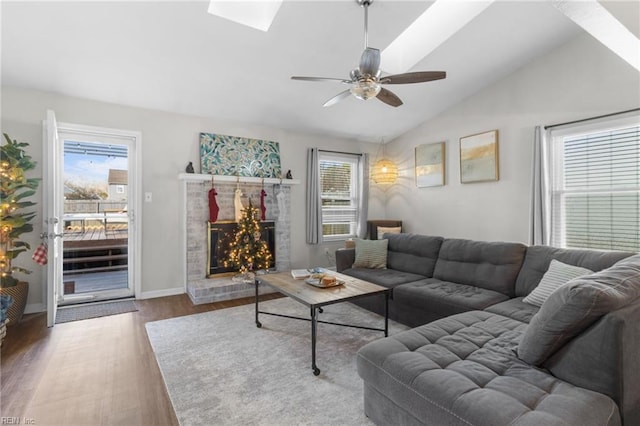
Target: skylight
<point>258,14</point>
<point>604,27</point>
<point>439,22</point>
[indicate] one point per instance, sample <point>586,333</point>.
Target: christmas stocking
<point>213,205</point>
<point>263,208</point>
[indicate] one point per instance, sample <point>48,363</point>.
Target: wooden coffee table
<point>315,298</point>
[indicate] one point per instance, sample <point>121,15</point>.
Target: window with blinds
<point>596,187</point>
<point>339,193</point>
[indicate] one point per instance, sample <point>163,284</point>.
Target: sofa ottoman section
<point>462,370</point>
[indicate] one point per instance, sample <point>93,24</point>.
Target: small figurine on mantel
<point>189,168</point>
<point>289,175</point>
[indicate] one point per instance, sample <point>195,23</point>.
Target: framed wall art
<point>430,164</point>
<point>479,157</point>
<point>237,156</point>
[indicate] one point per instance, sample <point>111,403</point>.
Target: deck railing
<point>93,206</point>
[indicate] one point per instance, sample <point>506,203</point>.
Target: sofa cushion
<point>558,274</point>
<point>385,277</point>
<point>576,305</point>
<point>416,254</point>
<point>445,298</point>
<point>515,308</point>
<point>537,260</point>
<point>371,254</point>
<point>490,265</point>
<point>604,358</point>
<point>461,370</point>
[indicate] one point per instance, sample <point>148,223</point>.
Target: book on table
<point>300,274</point>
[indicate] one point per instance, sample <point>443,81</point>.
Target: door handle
<point>52,235</point>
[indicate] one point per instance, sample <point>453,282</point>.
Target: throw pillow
<point>371,254</point>
<point>576,305</point>
<point>384,230</point>
<point>558,274</point>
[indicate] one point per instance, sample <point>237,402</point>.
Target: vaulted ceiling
<point>174,56</point>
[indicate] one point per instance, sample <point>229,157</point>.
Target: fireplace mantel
<point>196,177</point>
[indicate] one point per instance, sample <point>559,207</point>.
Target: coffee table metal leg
<point>386,314</point>
<point>258,323</point>
<point>314,324</point>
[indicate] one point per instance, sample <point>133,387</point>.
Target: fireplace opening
<point>220,236</point>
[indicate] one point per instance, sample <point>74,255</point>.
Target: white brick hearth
<point>196,214</point>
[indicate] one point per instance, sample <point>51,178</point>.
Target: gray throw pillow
<point>371,254</point>
<point>576,305</point>
<point>558,274</point>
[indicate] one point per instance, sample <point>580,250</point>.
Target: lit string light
<point>248,251</point>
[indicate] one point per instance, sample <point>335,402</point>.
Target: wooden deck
<point>94,249</point>
<point>94,282</point>
<point>94,235</point>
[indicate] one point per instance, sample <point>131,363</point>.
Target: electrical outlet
<point>326,251</point>
<point>148,197</point>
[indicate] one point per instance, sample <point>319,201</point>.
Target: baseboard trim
<point>35,308</point>
<point>161,293</point>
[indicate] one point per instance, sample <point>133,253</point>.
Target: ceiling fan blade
<point>342,80</point>
<point>389,98</point>
<point>337,98</point>
<point>370,61</point>
<point>413,77</point>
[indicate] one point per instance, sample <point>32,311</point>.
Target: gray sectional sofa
<point>479,355</point>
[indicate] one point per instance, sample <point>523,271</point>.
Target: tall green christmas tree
<point>247,251</point>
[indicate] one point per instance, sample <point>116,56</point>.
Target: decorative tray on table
<point>317,282</point>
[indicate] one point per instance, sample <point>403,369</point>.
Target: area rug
<point>220,369</point>
<point>94,310</point>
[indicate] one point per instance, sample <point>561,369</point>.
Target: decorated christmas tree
<point>247,251</point>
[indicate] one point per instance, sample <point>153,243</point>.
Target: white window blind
<point>339,192</point>
<point>596,187</point>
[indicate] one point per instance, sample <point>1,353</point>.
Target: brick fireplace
<point>221,237</point>
<point>199,287</point>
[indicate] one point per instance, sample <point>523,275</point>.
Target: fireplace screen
<point>221,236</point>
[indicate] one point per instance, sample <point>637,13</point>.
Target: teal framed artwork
<point>237,156</point>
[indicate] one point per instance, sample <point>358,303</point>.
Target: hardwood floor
<point>100,371</point>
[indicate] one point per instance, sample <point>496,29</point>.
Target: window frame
<point>354,192</point>
<point>558,192</point>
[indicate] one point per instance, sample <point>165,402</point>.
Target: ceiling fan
<point>366,80</point>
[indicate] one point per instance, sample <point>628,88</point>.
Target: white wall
<point>578,80</point>
<point>169,142</point>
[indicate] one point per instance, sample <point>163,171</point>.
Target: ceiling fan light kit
<point>365,89</point>
<point>366,80</point>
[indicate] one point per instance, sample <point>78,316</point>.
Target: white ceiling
<point>174,56</point>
